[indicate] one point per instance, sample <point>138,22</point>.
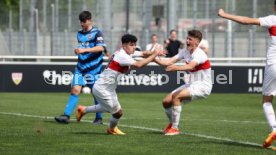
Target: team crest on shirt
<point>89,36</point>
<point>99,38</point>
<point>17,78</point>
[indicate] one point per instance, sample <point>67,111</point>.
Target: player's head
<point>193,39</point>
<point>173,34</point>
<point>154,38</point>
<point>129,43</point>
<point>85,18</point>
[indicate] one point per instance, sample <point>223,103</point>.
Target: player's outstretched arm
<point>185,67</point>
<point>92,50</point>
<point>143,62</point>
<point>239,19</point>
<point>166,62</point>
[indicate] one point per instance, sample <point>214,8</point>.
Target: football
<point>86,90</point>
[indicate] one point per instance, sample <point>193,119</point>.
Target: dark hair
<point>275,2</point>
<point>128,38</point>
<point>196,34</point>
<point>173,30</point>
<point>153,35</point>
<point>85,15</point>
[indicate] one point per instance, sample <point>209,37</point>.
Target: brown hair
<point>196,34</point>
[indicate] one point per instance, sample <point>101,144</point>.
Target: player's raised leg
<point>82,110</point>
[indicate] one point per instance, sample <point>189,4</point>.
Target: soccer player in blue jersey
<point>90,58</point>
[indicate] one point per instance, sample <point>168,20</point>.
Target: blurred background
<point>49,27</point>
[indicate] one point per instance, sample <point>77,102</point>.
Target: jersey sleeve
<point>180,54</point>
<point>125,60</point>
<point>99,39</point>
<point>268,21</point>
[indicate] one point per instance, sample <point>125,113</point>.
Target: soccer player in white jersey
<point>199,85</point>
<point>269,84</point>
<point>104,89</point>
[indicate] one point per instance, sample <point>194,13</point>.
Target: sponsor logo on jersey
<point>99,38</point>
<point>89,36</point>
<point>17,78</point>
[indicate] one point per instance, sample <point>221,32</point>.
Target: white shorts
<point>197,90</point>
<point>269,84</point>
<point>107,99</point>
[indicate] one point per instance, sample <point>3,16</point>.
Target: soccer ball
<point>86,90</point>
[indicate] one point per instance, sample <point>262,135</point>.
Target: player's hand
<point>172,68</point>
<point>167,41</point>
<point>221,12</point>
<point>79,50</point>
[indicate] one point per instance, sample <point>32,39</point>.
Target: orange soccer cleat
<point>269,140</point>
<point>115,131</point>
<point>167,128</point>
<point>80,112</point>
<point>172,131</point>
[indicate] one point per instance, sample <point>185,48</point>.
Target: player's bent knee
<point>75,91</point>
<point>118,114</point>
<point>166,103</point>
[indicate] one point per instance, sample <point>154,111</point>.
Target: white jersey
<point>202,72</point>
<point>270,22</point>
<point>120,63</point>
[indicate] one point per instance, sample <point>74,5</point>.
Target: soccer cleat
<point>80,112</point>
<point>98,121</point>
<point>172,131</point>
<point>115,131</point>
<point>167,128</point>
<point>269,140</point>
<point>63,119</point>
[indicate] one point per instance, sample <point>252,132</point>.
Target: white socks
<point>94,109</point>
<point>113,122</point>
<point>168,112</point>
<point>270,115</point>
<point>176,111</point>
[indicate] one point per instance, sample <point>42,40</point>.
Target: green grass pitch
<point>221,124</point>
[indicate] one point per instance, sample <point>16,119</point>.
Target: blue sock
<point>98,114</point>
<point>71,104</point>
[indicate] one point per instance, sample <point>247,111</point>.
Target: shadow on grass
<point>89,133</point>
<point>235,144</point>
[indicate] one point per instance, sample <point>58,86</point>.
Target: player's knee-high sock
<point>176,111</point>
<point>71,104</point>
<point>270,115</point>
<point>94,109</point>
<point>113,122</point>
<point>168,112</point>
<point>98,114</point>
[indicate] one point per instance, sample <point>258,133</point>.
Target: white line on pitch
<point>143,128</point>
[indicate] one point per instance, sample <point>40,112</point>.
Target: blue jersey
<point>90,62</point>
